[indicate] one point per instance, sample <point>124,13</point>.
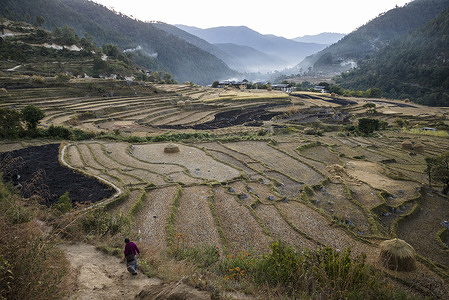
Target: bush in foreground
<point>31,267</point>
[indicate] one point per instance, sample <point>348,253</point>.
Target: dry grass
<point>194,160</point>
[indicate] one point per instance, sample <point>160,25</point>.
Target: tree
<point>32,115</point>
<point>370,108</point>
<point>87,42</point>
<point>374,93</point>
<point>438,170</point>
<point>215,84</point>
<point>368,126</point>
<point>39,21</point>
<point>66,35</point>
<point>10,126</point>
<point>110,50</point>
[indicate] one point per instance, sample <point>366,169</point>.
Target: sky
<point>287,18</point>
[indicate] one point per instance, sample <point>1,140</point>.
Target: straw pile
<point>398,255</point>
<point>171,148</point>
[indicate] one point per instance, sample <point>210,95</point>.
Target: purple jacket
<point>131,247</point>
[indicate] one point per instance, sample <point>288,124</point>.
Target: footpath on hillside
<point>97,275</point>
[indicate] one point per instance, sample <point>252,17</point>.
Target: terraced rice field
<point>309,191</point>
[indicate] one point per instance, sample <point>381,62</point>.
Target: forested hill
<point>373,36</point>
<point>415,66</point>
<point>183,60</point>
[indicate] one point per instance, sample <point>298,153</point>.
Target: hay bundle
<point>407,145</point>
<point>171,148</point>
<point>187,102</point>
<point>180,103</point>
<point>398,255</point>
<point>419,147</point>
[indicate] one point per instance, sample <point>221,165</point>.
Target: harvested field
<point>419,229</point>
<point>373,174</point>
<point>333,199</point>
<point>153,217</point>
<point>279,229</point>
<point>251,185</point>
<point>194,220</point>
<point>278,161</point>
<point>241,230</point>
<point>319,228</point>
<point>196,161</point>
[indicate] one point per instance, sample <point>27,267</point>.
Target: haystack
<point>407,145</point>
<point>398,255</point>
<point>419,147</point>
<point>171,148</point>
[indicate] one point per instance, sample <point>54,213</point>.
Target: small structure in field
<point>398,255</point>
<point>171,148</point>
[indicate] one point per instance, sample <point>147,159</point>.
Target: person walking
<point>130,252</point>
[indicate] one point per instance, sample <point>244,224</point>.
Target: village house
<point>282,87</point>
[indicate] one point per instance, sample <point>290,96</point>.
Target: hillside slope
<point>373,36</point>
<point>183,60</point>
<point>415,66</point>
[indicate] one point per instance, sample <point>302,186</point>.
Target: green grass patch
<point>438,133</point>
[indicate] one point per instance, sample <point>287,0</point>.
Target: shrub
<point>59,132</point>
<point>202,256</point>
<point>99,222</point>
<point>64,204</point>
<point>31,267</point>
<point>63,77</point>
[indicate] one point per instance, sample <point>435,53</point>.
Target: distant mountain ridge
<point>325,38</point>
<point>292,52</point>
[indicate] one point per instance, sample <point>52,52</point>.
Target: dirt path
<point>97,276</point>
<point>101,276</point>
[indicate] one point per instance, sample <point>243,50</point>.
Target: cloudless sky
<point>287,18</point>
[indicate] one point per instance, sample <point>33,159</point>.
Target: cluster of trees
<point>160,51</point>
<point>24,123</point>
<point>415,66</point>
<point>367,40</point>
<point>22,48</point>
<point>11,120</point>
<point>365,126</point>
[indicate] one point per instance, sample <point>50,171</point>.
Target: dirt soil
<point>57,179</point>
<point>96,275</point>
<point>249,116</point>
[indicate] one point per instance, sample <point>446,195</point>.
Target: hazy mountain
<point>325,38</point>
<point>415,66</point>
<point>237,57</point>
<point>183,60</point>
<point>373,36</point>
<point>247,59</point>
<point>288,50</point>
